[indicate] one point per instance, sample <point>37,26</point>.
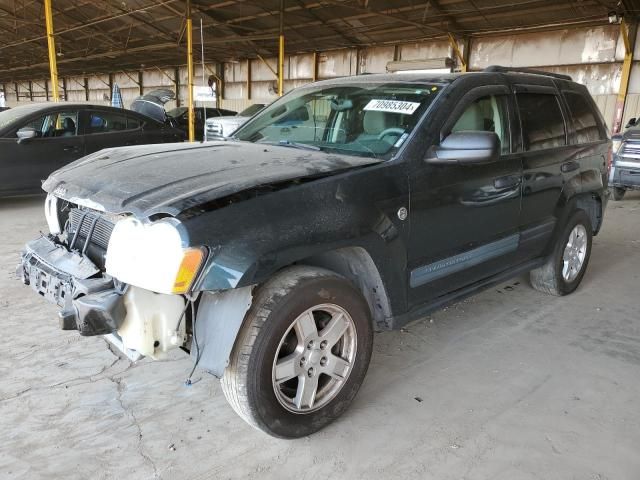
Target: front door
<point>464,218</point>
<point>56,144</point>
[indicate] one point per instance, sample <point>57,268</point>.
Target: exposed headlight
<point>153,256</point>
<point>51,214</point>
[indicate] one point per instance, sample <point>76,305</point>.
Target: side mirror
<point>464,148</point>
<point>26,133</point>
<point>632,122</point>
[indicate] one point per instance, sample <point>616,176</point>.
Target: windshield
<point>354,119</point>
<point>7,117</point>
<point>251,111</point>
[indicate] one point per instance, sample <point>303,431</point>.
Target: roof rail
<point>498,68</point>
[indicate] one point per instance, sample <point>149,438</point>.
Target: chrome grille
<point>214,128</point>
<point>630,150</point>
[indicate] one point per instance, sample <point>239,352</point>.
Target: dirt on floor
<point>509,384</point>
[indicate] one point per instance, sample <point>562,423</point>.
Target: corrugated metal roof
<point>97,36</point>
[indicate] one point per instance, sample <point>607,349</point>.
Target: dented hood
<point>169,178</point>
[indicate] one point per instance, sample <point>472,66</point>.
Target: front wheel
<point>302,353</point>
<point>618,193</point>
<point>567,264</point>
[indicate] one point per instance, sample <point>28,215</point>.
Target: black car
<point>180,117</point>
<point>625,169</point>
<point>346,206</point>
<point>38,138</point>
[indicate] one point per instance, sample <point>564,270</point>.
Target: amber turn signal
<point>189,267</point>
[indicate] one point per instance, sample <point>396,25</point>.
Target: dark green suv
<point>347,206</point>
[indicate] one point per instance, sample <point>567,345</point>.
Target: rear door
<point>56,144</point>
<point>549,163</point>
<point>106,129</point>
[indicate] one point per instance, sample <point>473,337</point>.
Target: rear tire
<point>618,193</point>
<point>301,354</point>
<point>567,264</point>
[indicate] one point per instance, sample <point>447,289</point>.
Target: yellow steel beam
<point>281,66</point>
<point>192,123</point>
<point>456,50</point>
<point>281,52</point>
<point>53,65</point>
<point>627,64</point>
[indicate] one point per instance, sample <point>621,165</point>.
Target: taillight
<point>609,158</point>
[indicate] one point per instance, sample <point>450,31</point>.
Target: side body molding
<point>218,321</point>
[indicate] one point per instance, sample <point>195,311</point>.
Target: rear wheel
<point>567,264</point>
<point>302,353</point>
<point>618,193</point>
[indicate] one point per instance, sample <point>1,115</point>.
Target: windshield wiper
<point>301,146</point>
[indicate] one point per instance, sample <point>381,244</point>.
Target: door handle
<point>70,148</point>
<point>509,181</point>
<point>569,166</point>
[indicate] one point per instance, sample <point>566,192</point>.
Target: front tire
<point>301,354</point>
<point>567,264</point>
<point>618,193</point>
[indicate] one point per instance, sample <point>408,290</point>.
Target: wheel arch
<point>591,203</point>
<point>357,266</point>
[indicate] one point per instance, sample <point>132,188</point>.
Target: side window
<point>104,122</point>
<point>487,114</point>
<point>59,124</point>
<point>133,123</point>
<point>584,120</point>
<point>542,122</point>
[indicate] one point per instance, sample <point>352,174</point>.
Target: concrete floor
<point>510,384</point>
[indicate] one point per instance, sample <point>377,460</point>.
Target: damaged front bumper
<point>137,322</point>
<point>89,302</point>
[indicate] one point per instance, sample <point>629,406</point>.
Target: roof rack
<point>498,68</point>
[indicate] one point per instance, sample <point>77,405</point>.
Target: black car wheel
<point>302,353</point>
<point>567,264</point>
<point>618,193</point>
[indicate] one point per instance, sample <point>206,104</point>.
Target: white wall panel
<point>374,60</point>
<point>424,50</point>
<point>300,67</point>
<point>337,63</point>
<point>561,47</point>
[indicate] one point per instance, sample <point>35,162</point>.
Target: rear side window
<point>542,122</point>
<point>133,123</point>
<point>584,119</point>
<point>103,122</point>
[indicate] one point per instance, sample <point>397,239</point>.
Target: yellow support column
<point>626,74</point>
<point>281,52</point>
<point>192,123</point>
<point>53,65</point>
<point>454,45</point>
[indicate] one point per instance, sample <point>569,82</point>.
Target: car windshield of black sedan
<point>353,119</point>
<point>7,117</point>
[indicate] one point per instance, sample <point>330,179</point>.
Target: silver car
<point>625,168</point>
<point>223,127</point>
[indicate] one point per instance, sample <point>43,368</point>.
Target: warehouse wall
<point>592,56</point>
